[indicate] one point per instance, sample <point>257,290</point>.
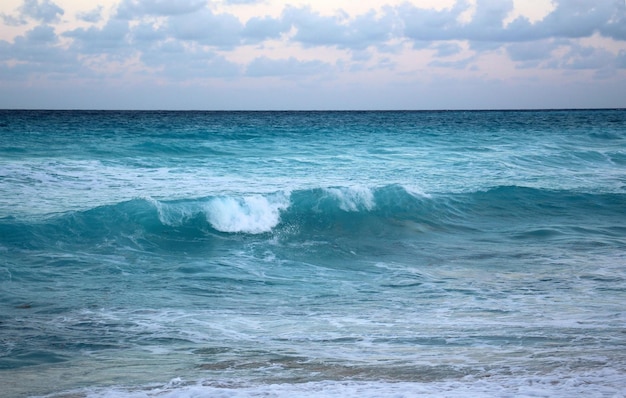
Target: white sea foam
<point>603,383</point>
<point>354,198</point>
<point>250,214</point>
<point>415,191</point>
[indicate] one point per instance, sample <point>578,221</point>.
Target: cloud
<point>569,19</point>
<point>92,16</point>
<point>130,9</point>
<point>459,64</point>
<point>44,11</point>
<point>258,29</point>
<point>222,30</point>
<point>576,19</point>
<point>447,49</point>
<point>585,57</point>
<point>441,30</point>
<point>313,29</point>
<point>41,34</point>
<point>111,38</point>
<point>11,20</point>
<point>620,60</point>
<point>36,45</point>
<point>562,54</point>
<point>432,25</point>
<point>616,26</point>
<point>147,32</point>
<point>487,23</point>
<point>531,51</point>
<point>263,66</point>
<point>36,53</point>
<point>180,63</point>
<point>189,41</point>
<point>237,2</point>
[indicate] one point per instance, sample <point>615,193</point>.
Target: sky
<point>312,55</point>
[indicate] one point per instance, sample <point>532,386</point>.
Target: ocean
<point>313,254</point>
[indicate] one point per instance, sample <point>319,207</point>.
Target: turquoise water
<point>249,254</point>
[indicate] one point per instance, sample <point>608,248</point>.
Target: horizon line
<point>311,110</point>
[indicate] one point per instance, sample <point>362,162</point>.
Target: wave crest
<point>252,214</point>
<point>325,214</point>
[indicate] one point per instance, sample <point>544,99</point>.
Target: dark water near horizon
<point>244,254</point>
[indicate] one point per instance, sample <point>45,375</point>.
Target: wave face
<point>330,213</point>
<point>307,253</point>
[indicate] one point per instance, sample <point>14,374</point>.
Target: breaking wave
<point>356,212</point>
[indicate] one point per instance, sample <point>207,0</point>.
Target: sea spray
<point>250,214</point>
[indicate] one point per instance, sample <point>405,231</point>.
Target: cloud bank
<point>225,44</point>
